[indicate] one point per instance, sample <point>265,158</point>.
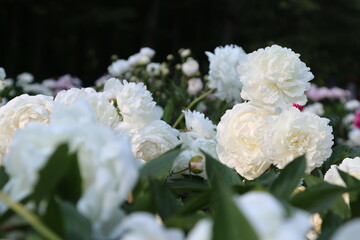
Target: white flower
<point>354,136</point>
<point>269,218</point>
<point>105,112</point>
<point>107,166</point>
<point>153,140</point>
<point>119,67</point>
<point>240,136</point>
<point>134,101</point>
<point>316,108</point>
<point>144,226</point>
<point>201,231</point>
<point>24,79</point>
<point>37,88</point>
<point>349,119</point>
<point>195,85</point>
<point>352,105</point>
<point>148,52</point>
<point>138,59</point>
<point>153,69</point>
<point>274,76</point>
<point>2,78</point>
<point>350,230</point>
<point>294,133</point>
<point>348,165</point>
<point>190,67</point>
<point>18,112</point>
<point>198,123</point>
<point>185,52</point>
<point>222,72</point>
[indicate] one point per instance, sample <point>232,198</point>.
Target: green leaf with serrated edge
<point>312,180</point>
<point>216,171</point>
<point>76,225</point>
<point>229,221</point>
<point>3,177</point>
<point>160,167</point>
<point>329,225</point>
<point>289,178</point>
<point>317,198</point>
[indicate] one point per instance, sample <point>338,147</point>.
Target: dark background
<point>51,38</point>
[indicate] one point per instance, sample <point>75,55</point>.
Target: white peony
<point>134,101</point>
<point>153,69</point>
<point>18,112</point>
<point>148,52</point>
<point>2,78</point>
<point>240,135</point>
<point>294,133</point>
<point>24,79</point>
<point>107,165</point>
<point>190,67</point>
<point>201,231</point>
<point>223,74</point>
<point>316,108</point>
<point>105,112</point>
<point>119,67</point>
<point>352,105</point>
<point>197,122</point>
<point>153,140</point>
<point>348,165</point>
<point>269,218</point>
<point>350,230</point>
<point>354,136</point>
<point>144,226</point>
<point>195,85</point>
<point>274,76</point>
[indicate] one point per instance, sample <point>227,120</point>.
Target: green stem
<point>183,170</point>
<point>31,218</point>
<point>195,101</point>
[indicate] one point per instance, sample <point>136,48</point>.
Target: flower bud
<point>196,164</point>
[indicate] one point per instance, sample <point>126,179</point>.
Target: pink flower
<point>300,107</point>
<point>357,119</point>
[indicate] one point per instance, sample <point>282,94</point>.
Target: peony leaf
<point>184,222</point>
<point>195,202</point>
<point>160,167</point>
<point>338,154</point>
<point>353,185</point>
<point>289,178</point>
<point>217,171</point>
<point>3,177</point>
<point>188,184</point>
<point>330,223</point>
<point>317,198</point>
<point>168,111</point>
<point>312,180</point>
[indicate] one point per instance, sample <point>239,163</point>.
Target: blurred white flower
<point>24,79</point>
<point>354,136</point>
<point>201,231</point>
<point>316,108</point>
<point>350,230</point>
<point>348,120</point>
<point>274,76</point>
<point>105,112</point>
<point>153,69</point>
<point>18,112</point>
<point>190,67</point>
<point>352,105</point>
<point>148,52</point>
<point>144,226</point>
<point>269,218</point>
<point>223,74</point>
<point>37,88</point>
<point>2,78</point>
<point>185,52</point>
<point>119,67</point>
<point>294,133</point>
<point>241,135</point>
<point>195,85</point>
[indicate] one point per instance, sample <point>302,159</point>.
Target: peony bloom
<point>195,85</point>
<point>119,67</point>
<point>350,230</point>
<point>105,112</point>
<point>190,67</point>
<point>269,218</point>
<point>107,166</point>
<point>148,52</point>
<point>352,105</point>
<point>18,112</point>
<point>153,69</point>
<point>222,72</point>
<point>316,108</point>
<point>24,79</point>
<point>354,136</point>
<point>144,226</point>
<point>240,135</point>
<point>274,76</point>
<point>2,78</point>
<point>294,133</point>
<point>348,165</point>
<point>185,52</point>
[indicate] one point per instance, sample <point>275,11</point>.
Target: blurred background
<point>51,38</point>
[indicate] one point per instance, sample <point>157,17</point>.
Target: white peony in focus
<point>269,218</point>
<point>144,226</point>
<point>190,67</point>
<point>240,136</point>
<point>350,230</point>
<point>316,108</point>
<point>223,74</point>
<point>105,112</point>
<point>18,112</point>
<point>274,76</point>
<point>294,133</point>
<point>119,67</point>
<point>107,166</point>
<point>195,85</point>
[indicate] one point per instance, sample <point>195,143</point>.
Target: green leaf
<point>339,153</point>
<point>312,180</point>
<point>52,217</point>
<point>160,167</point>
<point>4,178</point>
<point>330,223</point>
<point>188,184</point>
<point>184,222</point>
<point>76,226</point>
<point>53,172</point>
<point>169,111</point>
<point>353,186</point>
<point>195,202</point>
<point>289,178</point>
<point>216,171</point>
<point>317,198</point>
